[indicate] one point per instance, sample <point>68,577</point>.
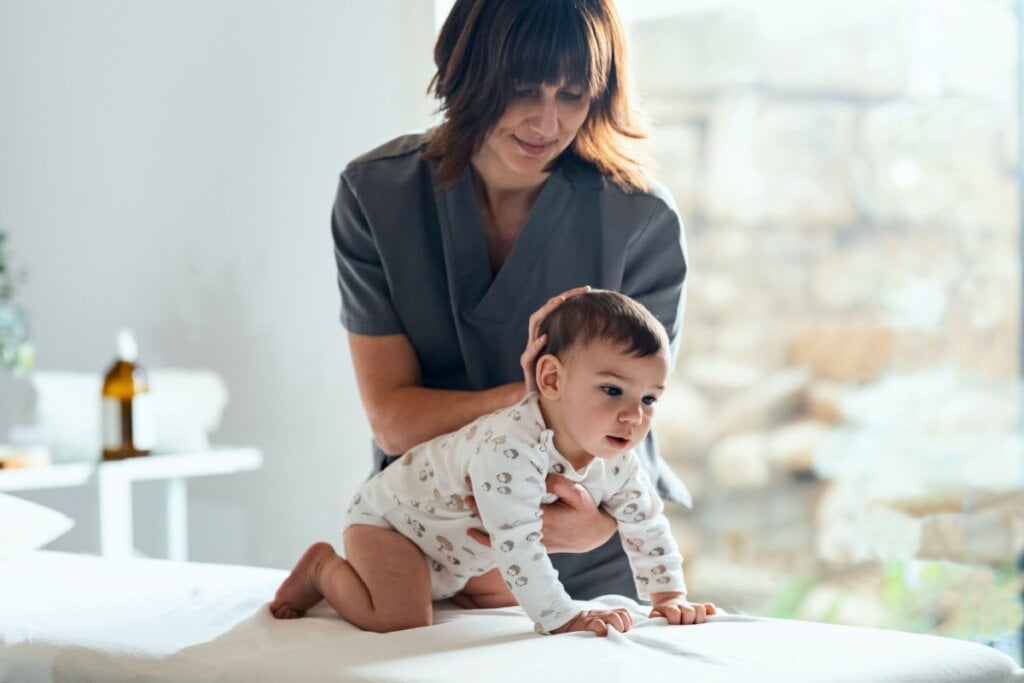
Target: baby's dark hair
<point>606,316</point>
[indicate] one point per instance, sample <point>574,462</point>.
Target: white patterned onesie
<point>507,455</point>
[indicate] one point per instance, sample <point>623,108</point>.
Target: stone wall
<point>848,384</point>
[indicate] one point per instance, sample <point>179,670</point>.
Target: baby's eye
<point>650,400</point>
<point>611,390</point>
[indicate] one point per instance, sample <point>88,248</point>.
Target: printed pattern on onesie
<point>422,496</point>
<point>508,454</point>
<point>643,528</point>
<point>508,473</point>
<point>429,492</point>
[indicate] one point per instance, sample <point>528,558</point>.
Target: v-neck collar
<point>474,290</point>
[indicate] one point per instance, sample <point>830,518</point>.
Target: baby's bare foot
<point>297,594</point>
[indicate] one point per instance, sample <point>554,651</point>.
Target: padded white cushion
<point>83,619</point>
<point>25,525</point>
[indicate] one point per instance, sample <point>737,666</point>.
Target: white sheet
<point>78,618</point>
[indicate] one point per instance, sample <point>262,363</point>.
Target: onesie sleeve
<point>366,305</point>
<point>654,273</point>
<point>656,265</point>
<point>508,483</point>
<point>653,555</point>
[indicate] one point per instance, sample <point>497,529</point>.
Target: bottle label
<point>132,425</point>
<point>111,423</point>
<point>144,421</point>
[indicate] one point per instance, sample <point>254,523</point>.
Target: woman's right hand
<point>599,621</point>
<point>536,342</point>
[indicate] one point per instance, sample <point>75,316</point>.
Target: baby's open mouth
<point>618,441</point>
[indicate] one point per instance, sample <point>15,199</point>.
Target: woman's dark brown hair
<point>486,47</point>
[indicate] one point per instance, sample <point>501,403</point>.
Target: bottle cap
<point>127,349</point>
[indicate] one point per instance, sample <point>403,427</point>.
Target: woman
<point>450,244</point>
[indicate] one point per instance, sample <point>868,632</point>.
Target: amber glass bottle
<point>128,420</point>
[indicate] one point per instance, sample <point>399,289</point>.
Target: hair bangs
<point>553,42</point>
<point>487,48</point>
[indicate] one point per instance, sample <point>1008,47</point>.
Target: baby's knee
<point>494,600</point>
<point>402,621</point>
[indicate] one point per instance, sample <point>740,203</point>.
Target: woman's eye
<point>650,400</point>
<point>611,391</point>
<point>571,96</point>
<point>525,92</point>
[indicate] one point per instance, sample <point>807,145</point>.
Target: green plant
<point>16,350</point>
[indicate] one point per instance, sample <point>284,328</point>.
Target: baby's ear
<point>549,376</point>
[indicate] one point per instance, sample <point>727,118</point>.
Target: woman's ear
<point>549,376</point>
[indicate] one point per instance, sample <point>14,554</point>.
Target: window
<point>847,402</point>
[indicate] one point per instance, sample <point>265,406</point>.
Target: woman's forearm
<point>410,415</point>
<point>402,412</point>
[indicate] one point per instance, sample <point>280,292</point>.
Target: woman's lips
<point>533,150</point>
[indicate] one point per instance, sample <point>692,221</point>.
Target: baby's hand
<point>679,611</point>
<point>599,622</point>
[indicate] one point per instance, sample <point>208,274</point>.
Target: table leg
<point>115,502</point>
<point>177,520</point>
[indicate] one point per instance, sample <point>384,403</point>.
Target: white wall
<point>170,165</point>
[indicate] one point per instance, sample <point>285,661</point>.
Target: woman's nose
<point>545,118</point>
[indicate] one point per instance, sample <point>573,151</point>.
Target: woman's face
<point>539,123</point>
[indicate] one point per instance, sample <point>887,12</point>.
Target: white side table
<point>114,489</point>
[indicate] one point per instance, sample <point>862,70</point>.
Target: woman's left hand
<point>572,524</point>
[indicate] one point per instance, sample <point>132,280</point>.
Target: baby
<point>605,364</point>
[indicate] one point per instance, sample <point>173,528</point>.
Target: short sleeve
<point>366,304</point>
<point>655,275</point>
<point>656,264</point>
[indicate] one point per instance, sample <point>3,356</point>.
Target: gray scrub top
<point>412,259</point>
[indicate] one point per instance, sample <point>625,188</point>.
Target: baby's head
<point>603,316</point>
<point>604,366</point>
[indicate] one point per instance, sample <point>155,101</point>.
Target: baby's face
<point>609,398</point>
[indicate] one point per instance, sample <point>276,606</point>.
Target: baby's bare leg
<point>484,591</point>
<point>382,586</point>
<point>298,592</point>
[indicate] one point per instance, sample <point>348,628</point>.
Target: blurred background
<point>170,166</point>
<point>847,402</point>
